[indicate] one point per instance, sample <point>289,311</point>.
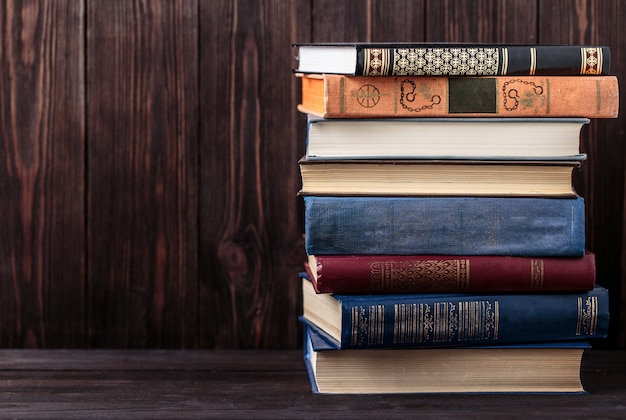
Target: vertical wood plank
<point>142,67</point>
<point>42,167</point>
<point>508,21</point>
<point>602,180</point>
<point>251,227</point>
<point>341,21</point>
<point>397,21</point>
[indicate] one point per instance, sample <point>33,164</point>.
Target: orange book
<point>341,96</point>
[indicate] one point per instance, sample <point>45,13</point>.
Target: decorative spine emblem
<point>408,97</point>
<point>592,59</point>
<point>518,92</point>
<point>587,316</point>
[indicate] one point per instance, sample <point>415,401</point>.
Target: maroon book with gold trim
<point>378,274</point>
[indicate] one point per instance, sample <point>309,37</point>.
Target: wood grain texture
<point>601,182</point>
<point>509,21</point>
<point>341,21</point>
<point>148,159</point>
<point>42,174</point>
<point>397,20</point>
<point>142,64</point>
<point>261,385</point>
<point>250,217</point>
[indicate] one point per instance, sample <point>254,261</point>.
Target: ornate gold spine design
<point>587,316</point>
<point>430,61</point>
<point>446,322</point>
<point>591,61</point>
<point>443,275</point>
<point>376,62</point>
<point>368,324</point>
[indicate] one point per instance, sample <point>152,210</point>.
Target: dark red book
<point>373,274</point>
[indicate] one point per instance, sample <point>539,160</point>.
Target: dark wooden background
<point>148,153</point>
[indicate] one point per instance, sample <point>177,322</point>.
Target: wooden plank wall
<point>148,155</point>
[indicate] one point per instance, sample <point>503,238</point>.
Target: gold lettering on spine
<point>446,322</point>
<point>412,323</point>
<point>376,325</point>
<point>368,325</point>
<point>478,320</point>
<point>536,274</point>
<point>587,316</point>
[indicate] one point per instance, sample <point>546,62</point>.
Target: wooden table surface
<point>259,384</point>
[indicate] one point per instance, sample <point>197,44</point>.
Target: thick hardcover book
<point>456,319</point>
<point>444,226</point>
<point>338,96</point>
<point>532,368</point>
<point>443,177</point>
<point>423,59</point>
<point>376,274</point>
<point>445,138</point>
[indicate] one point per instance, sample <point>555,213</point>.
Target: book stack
<point>445,240</point>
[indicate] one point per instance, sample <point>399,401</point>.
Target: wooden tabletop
<point>258,384</point>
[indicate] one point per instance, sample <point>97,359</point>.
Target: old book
<point>456,319</point>
<point>444,138</point>
<point>339,96</point>
<point>377,274</point>
<point>442,59</point>
<point>537,227</point>
<point>523,368</point>
<point>430,177</point>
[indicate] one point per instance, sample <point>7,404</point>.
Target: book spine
<point>548,227</point>
<point>567,60</point>
<point>530,96</point>
<point>378,274</point>
<point>374,321</point>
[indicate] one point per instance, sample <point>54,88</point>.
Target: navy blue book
<point>456,319</point>
<point>524,368</point>
<point>523,226</point>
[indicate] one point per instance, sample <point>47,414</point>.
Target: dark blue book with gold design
<point>456,319</point>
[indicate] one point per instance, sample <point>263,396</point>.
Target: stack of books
<point>445,240</point>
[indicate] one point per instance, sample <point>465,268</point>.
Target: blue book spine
<point>445,225</point>
<point>385,321</point>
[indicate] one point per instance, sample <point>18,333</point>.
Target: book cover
<point>338,96</point>
<point>438,177</point>
<point>443,59</point>
<point>377,274</point>
<point>445,138</point>
<point>538,368</point>
<point>444,226</point>
<point>456,319</point>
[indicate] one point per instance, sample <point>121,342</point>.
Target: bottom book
<point>530,368</point>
